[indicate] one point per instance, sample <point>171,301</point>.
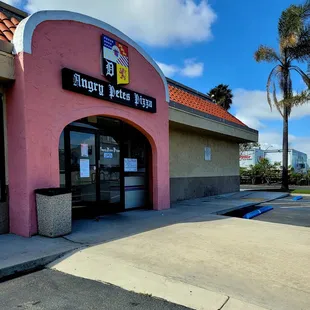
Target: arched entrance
<point>37,115</point>
<point>105,163</point>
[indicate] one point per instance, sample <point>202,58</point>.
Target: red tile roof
<point>197,102</point>
<point>7,27</point>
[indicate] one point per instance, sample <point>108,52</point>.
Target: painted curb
<point>250,204</point>
<point>297,198</point>
<point>257,212</point>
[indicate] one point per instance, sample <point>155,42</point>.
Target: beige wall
<point>187,155</point>
<point>6,67</point>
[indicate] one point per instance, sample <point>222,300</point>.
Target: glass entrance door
<point>111,178</point>
<point>95,172</point>
<point>104,162</point>
<point>83,168</point>
<point>109,169</point>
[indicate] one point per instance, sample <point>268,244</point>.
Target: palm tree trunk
<point>285,150</point>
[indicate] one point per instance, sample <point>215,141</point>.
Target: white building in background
<point>250,158</point>
<point>298,160</point>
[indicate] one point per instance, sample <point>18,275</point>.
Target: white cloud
<point>169,70</point>
<point>252,108</point>
<point>301,144</point>
<point>190,69</point>
<point>273,140</point>
<point>12,2</point>
<point>153,22</point>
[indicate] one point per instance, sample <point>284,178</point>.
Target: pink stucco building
<point>85,108</point>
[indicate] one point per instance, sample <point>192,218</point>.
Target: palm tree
<point>294,46</point>
<point>222,95</point>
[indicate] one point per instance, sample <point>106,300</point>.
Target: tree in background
<point>294,40</point>
<point>261,172</point>
<point>222,96</point>
<point>244,147</point>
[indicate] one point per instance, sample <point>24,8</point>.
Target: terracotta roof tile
<point>15,21</point>
<point>8,23</point>
<point>198,103</point>
<point>2,16</point>
<point>7,27</point>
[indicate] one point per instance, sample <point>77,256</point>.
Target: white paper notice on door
<point>84,150</point>
<point>107,155</point>
<point>130,164</point>
<point>84,168</point>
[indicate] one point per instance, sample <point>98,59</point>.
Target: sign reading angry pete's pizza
<point>90,86</point>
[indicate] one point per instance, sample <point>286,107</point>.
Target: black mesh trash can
<point>54,211</point>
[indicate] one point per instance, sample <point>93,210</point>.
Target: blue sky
<point>202,44</point>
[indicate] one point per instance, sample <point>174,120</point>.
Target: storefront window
<point>135,147</point>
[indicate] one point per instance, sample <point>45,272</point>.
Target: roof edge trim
<point>13,9</point>
<point>6,47</point>
<point>208,116</point>
<point>23,35</point>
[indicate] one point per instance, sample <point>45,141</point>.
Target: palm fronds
<point>294,39</point>
<point>222,95</point>
<point>267,54</point>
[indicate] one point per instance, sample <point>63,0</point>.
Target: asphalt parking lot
<point>52,290</point>
<point>289,212</point>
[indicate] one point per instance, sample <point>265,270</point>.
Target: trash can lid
<point>52,191</point>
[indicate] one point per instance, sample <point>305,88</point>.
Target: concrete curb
<point>304,195</point>
<point>29,266</point>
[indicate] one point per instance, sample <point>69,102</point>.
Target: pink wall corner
<point>38,110</point>
<point>17,155</point>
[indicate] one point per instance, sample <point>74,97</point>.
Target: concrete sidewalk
<point>126,224</point>
<point>188,254</point>
<point>203,262</point>
<point>18,254</point>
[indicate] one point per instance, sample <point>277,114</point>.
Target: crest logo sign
<point>115,64</point>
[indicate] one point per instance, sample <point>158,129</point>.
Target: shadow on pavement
<point>121,225</point>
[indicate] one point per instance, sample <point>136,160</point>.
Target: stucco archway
<point>152,149</point>
<point>39,109</point>
<point>107,186</point>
